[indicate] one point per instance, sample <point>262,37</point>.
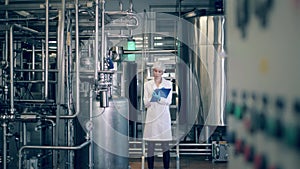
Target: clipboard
<point>164,92</point>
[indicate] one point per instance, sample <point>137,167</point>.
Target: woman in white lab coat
<point>158,120</point>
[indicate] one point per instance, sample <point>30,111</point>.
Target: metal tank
<point>110,134</point>
<point>205,61</point>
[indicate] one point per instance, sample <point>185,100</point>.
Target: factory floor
<point>186,162</point>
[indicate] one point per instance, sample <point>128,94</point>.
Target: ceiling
<point>32,14</point>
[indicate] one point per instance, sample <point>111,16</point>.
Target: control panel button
<point>248,153</point>
<point>260,162</point>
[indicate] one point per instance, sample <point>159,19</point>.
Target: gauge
<point>89,125</point>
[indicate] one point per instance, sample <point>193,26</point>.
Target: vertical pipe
<point>102,36</point>
<point>120,6</point>
<point>69,128</point>
<point>130,6</point>
<point>2,82</point>
<point>43,60</point>
<point>223,71</point>
<point>178,29</point>
<point>33,60</point>
<point>25,137</point>
<point>6,45</point>
<point>47,50</point>
<point>11,73</point>
<point>91,148</point>
<point>61,81</point>
<point>24,134</point>
<point>142,84</point>
<point>59,89</point>
<point>6,34</point>
<point>77,55</point>
<point>4,125</point>
<point>96,39</point>
<point>71,121</point>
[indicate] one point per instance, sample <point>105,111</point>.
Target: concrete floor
<point>186,162</point>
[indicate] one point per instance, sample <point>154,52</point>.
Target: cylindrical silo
<point>204,55</point>
<point>110,134</point>
<point>203,77</point>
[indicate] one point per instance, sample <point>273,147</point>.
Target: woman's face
<point>157,73</point>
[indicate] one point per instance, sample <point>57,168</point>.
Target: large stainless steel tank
<point>109,132</point>
<point>110,135</point>
<point>203,55</point>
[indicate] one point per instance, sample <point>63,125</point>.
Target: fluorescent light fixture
<point>52,47</point>
<point>158,44</point>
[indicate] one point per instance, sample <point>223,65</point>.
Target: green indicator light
<point>290,136</point>
<point>131,46</point>
<point>271,127</point>
<point>238,112</point>
<point>228,107</point>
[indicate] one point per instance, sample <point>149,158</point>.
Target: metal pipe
<point>24,134</point>
<point>33,60</point>
<point>43,61</point>
<point>148,51</point>
<point>26,28</point>
<point>52,122</point>
<point>47,49</point>
<point>77,58</point>
<point>53,130</point>
<point>142,108</point>
<point>120,5</point>
<point>39,50</point>
<point>23,19</point>
<point>33,81</point>
<point>96,39</point>
<point>223,74</point>
<point>51,148</point>
<point>58,91</point>
<point>77,63</point>
<point>130,6</point>
<point>119,13</point>
<point>4,125</point>
<point>70,126</point>
<point>35,70</point>
<point>91,147</point>
<point>61,80</point>
<point>6,34</point>
<point>103,50</point>
<point>64,117</point>
<point>11,73</point>
<point>32,101</point>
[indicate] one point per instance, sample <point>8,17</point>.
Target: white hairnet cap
<point>159,65</point>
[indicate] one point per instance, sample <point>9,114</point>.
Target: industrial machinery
<point>56,75</point>
<point>72,75</point>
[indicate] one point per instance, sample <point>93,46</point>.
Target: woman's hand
<point>156,95</point>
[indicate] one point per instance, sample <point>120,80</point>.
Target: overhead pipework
<point>52,52</point>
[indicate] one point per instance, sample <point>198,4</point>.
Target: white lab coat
<point>158,119</point>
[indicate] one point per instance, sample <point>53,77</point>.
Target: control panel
<point>263,105</point>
